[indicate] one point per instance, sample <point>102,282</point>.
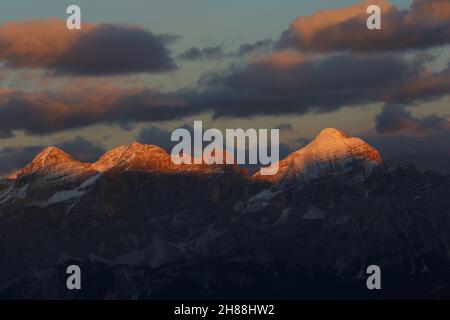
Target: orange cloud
<point>80,104</point>
<point>435,10</point>
<point>307,28</point>
<point>426,24</point>
<point>37,43</point>
<point>282,58</point>
<point>96,49</point>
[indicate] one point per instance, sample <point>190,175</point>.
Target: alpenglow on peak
<point>330,153</point>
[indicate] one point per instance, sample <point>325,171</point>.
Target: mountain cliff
<point>135,156</point>
<point>53,163</point>
<point>332,152</point>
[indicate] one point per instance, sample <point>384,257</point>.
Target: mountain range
<point>141,227</point>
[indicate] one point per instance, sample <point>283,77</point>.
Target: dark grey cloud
<point>156,136</point>
<point>82,149</point>
<point>394,118</point>
<point>248,48</point>
<point>207,53</point>
<point>5,134</point>
<point>403,138</point>
<point>15,158</point>
<point>300,142</point>
<point>160,137</point>
<point>259,88</point>
<point>113,49</point>
<point>430,151</point>
<point>284,127</point>
<point>12,159</point>
<point>320,85</point>
<point>287,149</point>
<point>218,51</point>
<point>74,107</point>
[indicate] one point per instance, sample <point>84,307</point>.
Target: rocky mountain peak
<point>51,155</point>
<point>53,162</point>
<point>332,152</point>
<point>331,133</point>
<point>135,156</point>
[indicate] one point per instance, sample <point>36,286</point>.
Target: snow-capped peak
<point>43,159</point>
<point>53,162</point>
<point>332,152</point>
<point>51,155</point>
<point>331,133</point>
<point>135,156</point>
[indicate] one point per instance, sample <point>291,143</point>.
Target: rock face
<point>332,152</point>
<point>51,171</point>
<point>55,177</point>
<point>53,163</point>
<point>135,156</point>
<point>140,228</point>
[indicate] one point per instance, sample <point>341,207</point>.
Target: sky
<point>138,69</point>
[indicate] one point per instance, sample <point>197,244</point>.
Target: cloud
<point>12,159</point>
<point>317,65</point>
<point>282,58</point>
<point>320,84</point>
<point>428,151</point>
<point>426,85</point>
<point>218,52</point>
<point>284,127</point>
<point>395,118</point>
<point>160,137</point>
<point>403,138</point>
<point>283,81</point>
<point>82,149</point>
<point>249,48</point>
<point>98,50</point>
<point>300,142</point>
<point>79,105</point>
<point>15,158</point>
<point>5,134</point>
<point>261,87</point>
<point>426,24</point>
<point>207,53</point>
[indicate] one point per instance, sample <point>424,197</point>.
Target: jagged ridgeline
<point>141,227</point>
